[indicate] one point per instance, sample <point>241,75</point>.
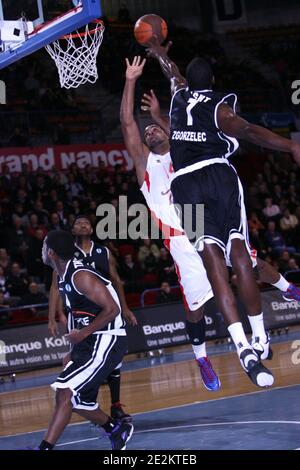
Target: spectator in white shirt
<point>270,210</point>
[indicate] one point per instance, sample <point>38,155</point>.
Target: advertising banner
<point>158,327</point>
<point>62,156</point>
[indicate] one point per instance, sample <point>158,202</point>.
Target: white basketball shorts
<point>195,286</point>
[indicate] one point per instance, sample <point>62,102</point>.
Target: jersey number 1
<point>192,103</point>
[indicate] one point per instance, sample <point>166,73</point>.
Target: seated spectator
<point>73,187</point>
<point>62,213</point>
<point>17,282</point>
<point>288,224</point>
<point>277,193</point>
<point>51,200</point>
<point>75,207</point>
<point>146,249</point>
<point>34,297</point>
<point>166,268</point>
<point>21,212</point>
<point>34,226</point>
<point>131,274</point>
<point>288,221</point>
<point>4,316</point>
<point>270,210</point>
<point>42,214</point>
<point>150,264</point>
<point>165,294</point>
<point>293,265</point>
<point>276,242</point>
<point>17,234</point>
<point>4,259</point>
<point>55,222</point>
<point>283,261</point>
<point>254,223</point>
<point>3,282</point>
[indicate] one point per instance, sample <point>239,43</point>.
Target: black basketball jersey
<point>195,135</point>
<point>81,310</point>
<point>97,258</point>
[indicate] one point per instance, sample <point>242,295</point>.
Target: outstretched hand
<point>150,103</point>
<point>134,70</point>
<point>155,50</point>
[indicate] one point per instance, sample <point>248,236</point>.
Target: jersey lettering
<point>189,136</point>
<point>78,263</point>
<point>195,135</point>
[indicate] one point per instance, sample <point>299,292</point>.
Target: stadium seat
<point>133,299</point>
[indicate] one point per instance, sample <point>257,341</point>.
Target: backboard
<point>28,25</point>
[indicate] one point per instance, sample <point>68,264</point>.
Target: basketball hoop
<point>75,55</point>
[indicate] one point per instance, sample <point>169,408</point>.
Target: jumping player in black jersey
<point>204,129</point>
<point>98,338</point>
<point>100,258</point>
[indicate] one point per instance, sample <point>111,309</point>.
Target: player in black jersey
<point>204,129</point>
<point>98,338</point>
<point>100,258</point>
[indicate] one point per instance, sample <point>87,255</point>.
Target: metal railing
<point>293,276</point>
<point>156,289</point>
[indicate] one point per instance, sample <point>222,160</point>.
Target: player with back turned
<point>204,133</point>
<point>101,259</point>
<point>98,338</point>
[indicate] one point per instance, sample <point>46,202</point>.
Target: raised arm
<point>169,68</point>
<point>150,103</point>
<point>235,126</point>
<point>132,138</point>
<point>95,290</point>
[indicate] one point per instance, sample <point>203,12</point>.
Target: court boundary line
<point>168,408</point>
<point>169,428</point>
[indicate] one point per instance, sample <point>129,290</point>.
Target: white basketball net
<point>75,55</point>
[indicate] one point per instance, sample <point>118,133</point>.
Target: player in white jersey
<point>153,168</point>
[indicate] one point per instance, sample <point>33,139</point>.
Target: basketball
<point>147,26</point>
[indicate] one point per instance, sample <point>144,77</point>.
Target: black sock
<point>109,425</point>
<point>44,445</point>
<point>114,383</point>
<point>196,331</point>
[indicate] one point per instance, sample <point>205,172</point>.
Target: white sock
<point>238,336</point>
<point>258,327</point>
<point>282,284</point>
<point>199,351</point>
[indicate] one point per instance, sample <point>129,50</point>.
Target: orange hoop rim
<point>99,26</point>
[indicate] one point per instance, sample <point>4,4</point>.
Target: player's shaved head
<point>199,74</point>
<point>62,243</point>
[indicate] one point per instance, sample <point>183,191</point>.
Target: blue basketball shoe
<point>293,293</point>
<point>120,435</point>
<point>209,378</point>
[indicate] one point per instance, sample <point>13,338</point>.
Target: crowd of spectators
<point>34,203</point>
<point>273,203</point>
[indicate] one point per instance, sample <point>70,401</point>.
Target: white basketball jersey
<point>157,192</point>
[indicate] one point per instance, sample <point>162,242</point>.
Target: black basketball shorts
<point>211,204</point>
<point>92,361</point>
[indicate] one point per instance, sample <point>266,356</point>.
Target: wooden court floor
<point>151,388</point>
